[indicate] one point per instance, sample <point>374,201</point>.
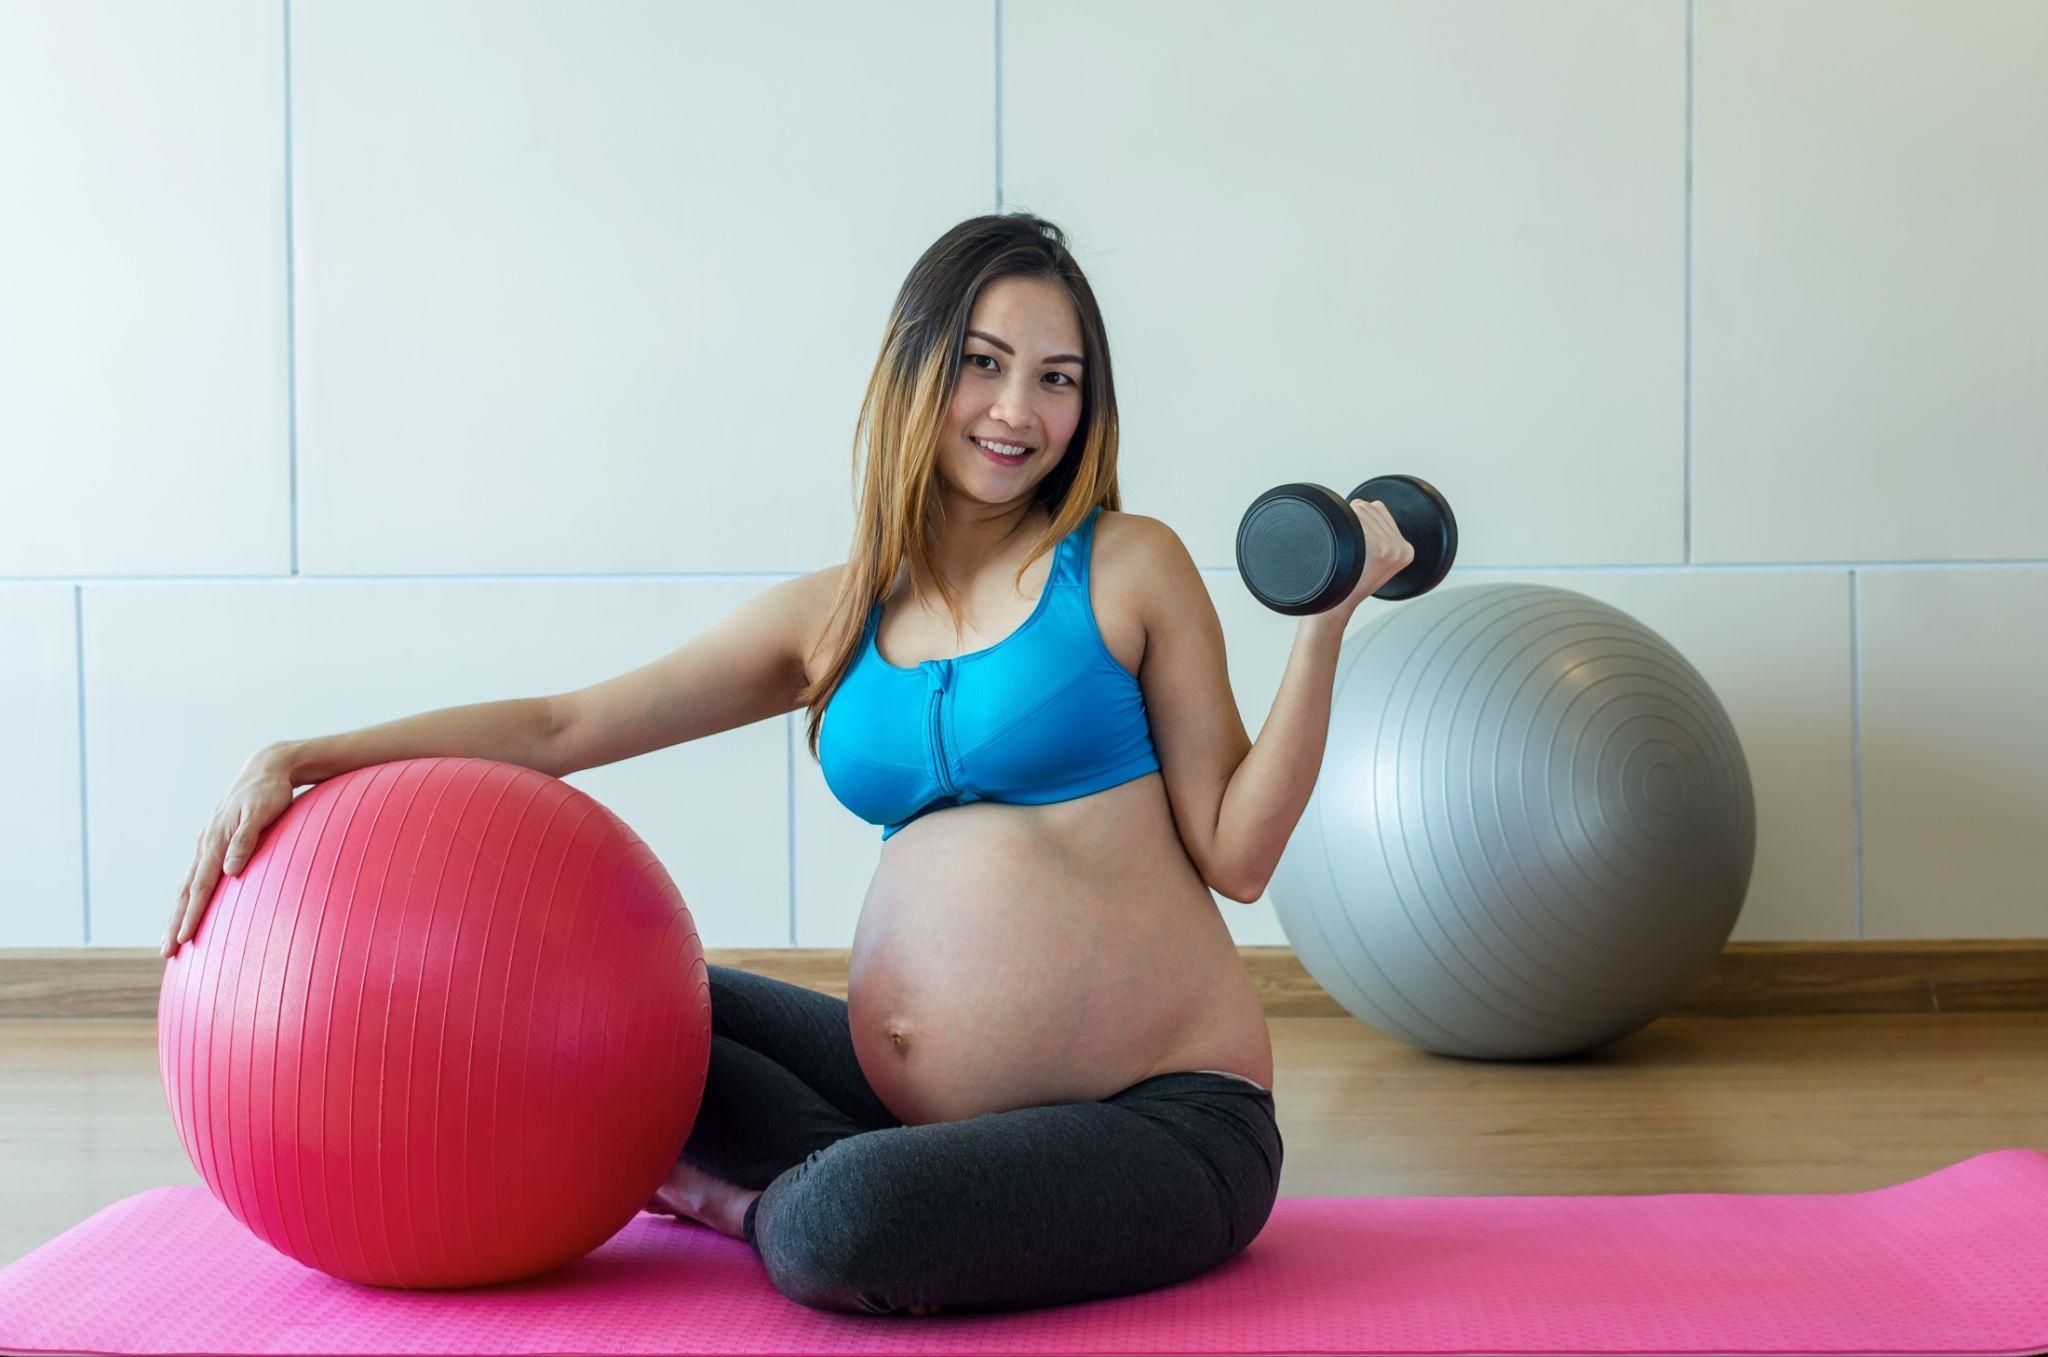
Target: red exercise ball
<point>448,1027</point>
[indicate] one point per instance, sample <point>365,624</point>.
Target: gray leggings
<point>1009,1210</point>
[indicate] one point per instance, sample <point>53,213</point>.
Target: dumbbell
<point>1301,550</point>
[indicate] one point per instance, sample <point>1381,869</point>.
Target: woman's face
<point>1019,383</point>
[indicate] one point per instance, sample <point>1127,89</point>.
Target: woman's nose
<point>1013,414</point>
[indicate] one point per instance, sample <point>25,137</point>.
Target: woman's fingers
<point>184,889</point>
<point>1375,515</point>
<point>182,903</point>
<point>1383,542</point>
<point>205,873</point>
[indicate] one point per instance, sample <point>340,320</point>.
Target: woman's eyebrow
<point>1073,358</point>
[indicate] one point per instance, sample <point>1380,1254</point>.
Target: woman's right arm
<point>521,730</point>
<point>745,667</point>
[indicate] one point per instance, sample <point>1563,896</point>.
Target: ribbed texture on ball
<point>449,1026</point>
<point>1533,829</point>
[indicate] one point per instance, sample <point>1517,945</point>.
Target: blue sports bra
<point>1045,714</point>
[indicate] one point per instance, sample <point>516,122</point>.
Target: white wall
<point>363,358</point>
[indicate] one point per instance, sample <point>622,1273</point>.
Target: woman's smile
<point>999,458</point>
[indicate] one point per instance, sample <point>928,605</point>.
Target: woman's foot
<point>692,1194</point>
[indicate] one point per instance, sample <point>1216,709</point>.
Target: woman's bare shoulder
<point>1119,535</point>
<point>820,588</point>
<point>1123,564</point>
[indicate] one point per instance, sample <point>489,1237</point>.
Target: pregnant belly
<point>992,968</point>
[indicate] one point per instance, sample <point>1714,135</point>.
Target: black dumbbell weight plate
<point>1424,517</point>
<point>1299,549</point>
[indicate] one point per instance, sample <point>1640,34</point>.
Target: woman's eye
<point>1064,378</point>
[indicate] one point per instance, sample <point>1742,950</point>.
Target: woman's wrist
<point>278,758</point>
<point>1332,623</point>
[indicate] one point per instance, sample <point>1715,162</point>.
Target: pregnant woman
<point>1050,1079</point>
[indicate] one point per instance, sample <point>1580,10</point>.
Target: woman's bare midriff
<point>1012,955</point>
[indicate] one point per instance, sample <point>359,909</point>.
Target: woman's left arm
<point>1236,800</point>
<point>1266,795</point>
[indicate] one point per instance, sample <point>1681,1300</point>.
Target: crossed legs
<point>851,1210</point>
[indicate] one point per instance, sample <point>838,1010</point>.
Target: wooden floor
<point>1805,1104</point>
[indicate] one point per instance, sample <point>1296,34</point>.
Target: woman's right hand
<point>261,792</point>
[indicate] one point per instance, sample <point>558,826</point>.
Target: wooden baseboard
<point>1748,980</point>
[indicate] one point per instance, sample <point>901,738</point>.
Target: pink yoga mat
<point>1955,1262</point>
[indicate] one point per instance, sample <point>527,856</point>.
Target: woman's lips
<point>1000,460</point>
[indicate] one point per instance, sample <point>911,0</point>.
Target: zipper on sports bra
<point>938,673</point>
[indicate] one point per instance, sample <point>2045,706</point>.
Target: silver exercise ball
<point>1532,832</point>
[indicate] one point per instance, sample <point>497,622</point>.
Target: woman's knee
<point>1259,1183</point>
<point>825,1242</point>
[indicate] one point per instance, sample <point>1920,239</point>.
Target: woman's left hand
<point>1387,552</point>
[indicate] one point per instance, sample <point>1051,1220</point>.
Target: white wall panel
<point>143,425</point>
<point>598,287</point>
<point>42,903</point>
<point>1333,241</point>
<point>185,681</point>
<point>1872,194</point>
<point>1955,753</point>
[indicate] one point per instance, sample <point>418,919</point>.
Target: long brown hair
<point>903,416</point>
